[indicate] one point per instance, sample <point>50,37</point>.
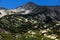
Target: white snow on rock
<point>24,12</point>
<point>14,11</point>
<point>2,13</point>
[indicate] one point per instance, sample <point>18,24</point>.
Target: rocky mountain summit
<point>34,10</point>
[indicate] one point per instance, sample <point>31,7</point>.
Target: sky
<point>11,4</point>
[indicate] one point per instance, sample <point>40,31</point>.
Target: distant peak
<point>30,3</point>
<point>2,8</point>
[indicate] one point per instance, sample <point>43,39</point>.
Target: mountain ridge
<point>34,9</point>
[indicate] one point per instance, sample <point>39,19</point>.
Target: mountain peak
<point>29,6</point>
<point>30,3</point>
<point>2,8</point>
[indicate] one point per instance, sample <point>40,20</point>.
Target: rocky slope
<point>30,21</point>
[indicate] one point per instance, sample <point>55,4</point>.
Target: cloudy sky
<point>9,4</point>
